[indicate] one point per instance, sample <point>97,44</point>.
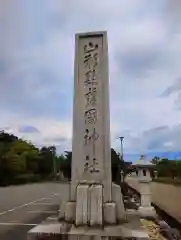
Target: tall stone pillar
<point>91,199</point>
<point>91,156</point>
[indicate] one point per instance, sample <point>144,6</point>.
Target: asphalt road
<point>23,207</point>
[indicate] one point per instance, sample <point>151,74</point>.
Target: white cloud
<point>49,129</point>
<point>36,68</point>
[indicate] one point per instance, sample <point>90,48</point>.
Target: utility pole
<point>53,153</point>
<point>54,168</point>
<point>122,170</point>
<point>121,139</point>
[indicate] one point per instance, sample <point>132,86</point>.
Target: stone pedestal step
<point>52,229</point>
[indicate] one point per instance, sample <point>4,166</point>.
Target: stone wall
<point>165,196</point>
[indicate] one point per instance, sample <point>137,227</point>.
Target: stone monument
<point>95,207</point>
<point>93,198</point>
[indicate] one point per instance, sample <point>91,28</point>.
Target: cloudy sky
<point>36,69</point>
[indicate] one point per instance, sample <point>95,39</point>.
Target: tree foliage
<point>167,168</point>
<point>20,159</point>
<point>66,164</point>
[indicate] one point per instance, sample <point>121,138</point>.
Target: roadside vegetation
<point>168,171</point>
<point>22,162</point>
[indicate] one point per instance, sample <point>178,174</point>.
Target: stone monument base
<point>89,207</point>
<point>52,229</point>
<point>147,212</point>
<point>117,222</point>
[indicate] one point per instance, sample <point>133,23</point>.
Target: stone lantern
<point>143,168</point>
<point>155,174</point>
<point>122,176</point>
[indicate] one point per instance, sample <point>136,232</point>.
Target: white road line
<point>47,198</point>
<point>18,224</point>
<point>36,211</point>
<point>52,218</point>
<point>37,203</point>
<point>26,204</point>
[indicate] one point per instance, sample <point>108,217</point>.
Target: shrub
<point>26,178</point>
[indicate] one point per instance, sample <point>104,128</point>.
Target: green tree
<point>46,162</point>
<point>22,157</point>
<point>6,141</point>
<point>59,160</point>
<point>179,168</point>
<point>66,164</point>
<point>115,166</point>
<point>155,160</point>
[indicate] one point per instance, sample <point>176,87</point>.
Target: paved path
<point>23,207</point>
